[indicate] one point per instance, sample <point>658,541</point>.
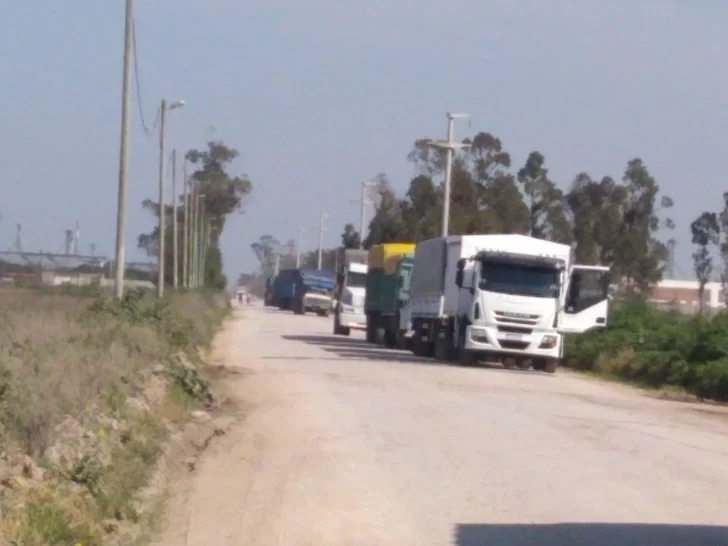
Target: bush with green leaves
<point>657,348</point>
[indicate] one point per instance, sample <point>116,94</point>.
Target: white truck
<point>506,298</point>
<point>351,292</point>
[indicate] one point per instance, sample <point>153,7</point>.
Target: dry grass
<point>68,377</point>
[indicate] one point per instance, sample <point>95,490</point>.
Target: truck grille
<point>515,319</point>
<point>515,329</point>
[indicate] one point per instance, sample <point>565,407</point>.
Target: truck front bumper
<point>317,304</point>
<point>488,340</point>
<point>355,320</point>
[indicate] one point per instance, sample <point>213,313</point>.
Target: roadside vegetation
<point>658,349</point>
<point>90,387</point>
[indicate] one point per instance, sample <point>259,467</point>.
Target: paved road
<point>348,444</point>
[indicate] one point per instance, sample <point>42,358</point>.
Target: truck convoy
<point>502,297</point>
<point>390,266</point>
<point>350,293</point>
<point>302,290</point>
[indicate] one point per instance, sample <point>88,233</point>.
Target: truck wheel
<point>465,358</point>
<point>523,363</point>
<point>439,349</point>
<point>551,365</point>
<point>390,339</point>
<point>372,326</point>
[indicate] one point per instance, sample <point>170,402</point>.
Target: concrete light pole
<point>124,152</point>
<point>364,203</point>
<point>162,174</point>
<point>175,235</point>
<point>321,237</point>
<point>199,240</point>
<point>185,227</point>
<point>298,247</point>
<point>449,145</point>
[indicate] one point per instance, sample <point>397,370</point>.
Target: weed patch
<point>89,387</point>
<point>655,348</point>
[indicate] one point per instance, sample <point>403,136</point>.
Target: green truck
<point>390,268</point>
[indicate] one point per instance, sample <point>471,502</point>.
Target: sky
<point>319,96</point>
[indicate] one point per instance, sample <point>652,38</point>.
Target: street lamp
<point>162,173</point>
<point>449,145</point>
<point>298,247</point>
<point>364,201</point>
<point>321,237</point>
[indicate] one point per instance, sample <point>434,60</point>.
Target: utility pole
<point>175,235</point>
<point>162,174</point>
<point>449,145</point>
<point>201,220</point>
<point>124,152</point>
<point>364,202</point>
<point>162,211</point>
<point>185,280</point>
<point>298,247</point>
<point>321,238</point>
<point>277,266</point>
<point>206,237</point>
<point>193,234</point>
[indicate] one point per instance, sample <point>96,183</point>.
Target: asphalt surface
<point>345,443</point>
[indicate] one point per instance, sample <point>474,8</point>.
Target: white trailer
<point>507,298</point>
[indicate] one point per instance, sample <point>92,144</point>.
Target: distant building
<point>36,268</point>
<point>683,296</point>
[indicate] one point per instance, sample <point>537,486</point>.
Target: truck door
<point>586,302</point>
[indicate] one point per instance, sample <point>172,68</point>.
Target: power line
<point>148,131</point>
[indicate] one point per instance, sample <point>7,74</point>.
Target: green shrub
<point>656,348</point>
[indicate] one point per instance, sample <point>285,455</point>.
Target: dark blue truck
<point>304,289</point>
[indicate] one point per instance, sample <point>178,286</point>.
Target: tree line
<point>225,194</point>
<point>617,222</point>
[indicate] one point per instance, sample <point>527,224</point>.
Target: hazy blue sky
<point>322,94</point>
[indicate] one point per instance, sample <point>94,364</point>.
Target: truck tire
<point>550,365</point>
<point>298,308</point>
<point>371,331</point>
<point>390,339</point>
<point>465,358</point>
<point>339,330</point>
<point>440,347</point>
<point>523,363</point>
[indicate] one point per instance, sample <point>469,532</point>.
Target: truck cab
<point>517,306</point>
<point>350,294</point>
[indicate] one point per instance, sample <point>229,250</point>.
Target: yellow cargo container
<point>387,255</point>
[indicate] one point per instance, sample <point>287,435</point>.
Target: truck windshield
<point>522,280</point>
<point>356,280</point>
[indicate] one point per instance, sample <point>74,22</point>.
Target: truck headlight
<point>478,335</point>
<point>548,342</point>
